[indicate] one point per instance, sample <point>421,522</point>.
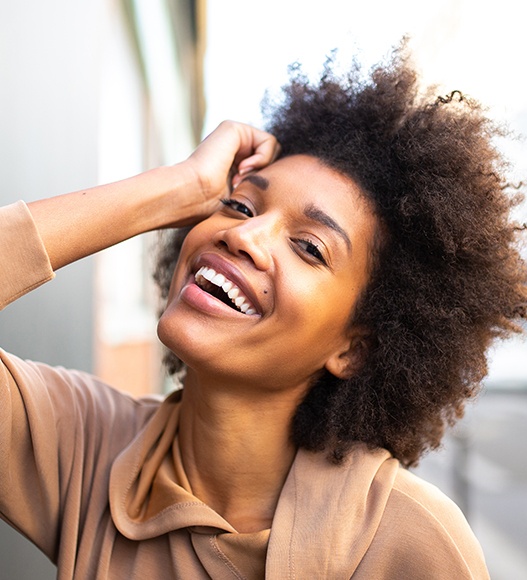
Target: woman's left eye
<point>310,248</point>
<point>237,206</point>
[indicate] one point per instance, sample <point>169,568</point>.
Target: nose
<point>252,239</point>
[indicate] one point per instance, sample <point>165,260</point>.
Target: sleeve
<point>29,463</point>
<point>423,535</point>
<point>24,263</point>
<point>60,430</point>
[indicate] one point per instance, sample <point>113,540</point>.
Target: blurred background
<point>95,91</point>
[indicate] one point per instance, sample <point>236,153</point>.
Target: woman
<point>332,308</point>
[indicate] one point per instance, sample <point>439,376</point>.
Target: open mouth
<point>220,287</point>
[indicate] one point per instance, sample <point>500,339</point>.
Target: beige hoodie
<point>94,478</point>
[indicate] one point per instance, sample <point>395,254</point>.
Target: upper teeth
<point>232,291</point>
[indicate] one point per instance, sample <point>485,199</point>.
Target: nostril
<point>233,248</point>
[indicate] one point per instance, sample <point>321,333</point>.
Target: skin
<point>298,239</point>
<point>246,374</point>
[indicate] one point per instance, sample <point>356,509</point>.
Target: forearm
<point>78,224</point>
<point>81,223</point>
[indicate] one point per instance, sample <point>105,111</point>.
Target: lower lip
<point>194,296</point>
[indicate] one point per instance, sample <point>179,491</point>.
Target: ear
<point>346,362</point>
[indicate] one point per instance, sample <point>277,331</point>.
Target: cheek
<point>316,306</point>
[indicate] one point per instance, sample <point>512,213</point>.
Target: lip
<point>223,266</point>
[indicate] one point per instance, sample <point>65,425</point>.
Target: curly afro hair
<point>448,277</point>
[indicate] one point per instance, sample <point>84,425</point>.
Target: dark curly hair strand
<point>447,278</point>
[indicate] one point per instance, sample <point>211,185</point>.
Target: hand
<point>228,153</point>
<point>78,224</point>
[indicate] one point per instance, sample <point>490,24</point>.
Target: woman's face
<point>290,247</point>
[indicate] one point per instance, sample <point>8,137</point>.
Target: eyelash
<point>315,252</point>
<point>236,205</point>
<point>311,248</point>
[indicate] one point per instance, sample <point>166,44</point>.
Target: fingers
<point>257,149</point>
<point>265,149</point>
<point>233,149</point>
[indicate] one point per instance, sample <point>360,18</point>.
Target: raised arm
<point>78,224</point>
<point>53,420</point>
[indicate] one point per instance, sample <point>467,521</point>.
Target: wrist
<point>159,196</point>
<point>182,197</point>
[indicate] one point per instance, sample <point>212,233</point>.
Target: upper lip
<point>231,272</point>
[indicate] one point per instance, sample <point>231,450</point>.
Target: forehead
<point>308,181</point>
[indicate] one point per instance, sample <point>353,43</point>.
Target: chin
<point>185,341</point>
<point>173,337</point>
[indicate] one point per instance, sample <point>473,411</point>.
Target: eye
<point>310,248</point>
<point>237,206</point>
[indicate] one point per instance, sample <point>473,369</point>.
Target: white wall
<point>48,138</point>
<point>50,55</point>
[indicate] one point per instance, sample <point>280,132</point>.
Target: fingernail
<point>245,170</point>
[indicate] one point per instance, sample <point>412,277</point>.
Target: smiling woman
<point>331,296</point>
<point>275,233</point>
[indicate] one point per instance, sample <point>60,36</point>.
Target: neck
<point>236,449</point>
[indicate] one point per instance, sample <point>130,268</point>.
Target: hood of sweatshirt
<point>326,518</point>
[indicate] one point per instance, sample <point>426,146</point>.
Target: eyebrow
<point>257,180</point>
<point>316,214</point>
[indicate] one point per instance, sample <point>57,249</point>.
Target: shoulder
<point>377,519</point>
<point>426,534</point>
<point>427,504</point>
<point>66,400</point>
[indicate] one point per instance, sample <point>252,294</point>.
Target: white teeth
<point>207,273</point>
<point>219,280</point>
<point>232,291</point>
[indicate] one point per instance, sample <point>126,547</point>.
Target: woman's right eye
<point>237,206</point>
